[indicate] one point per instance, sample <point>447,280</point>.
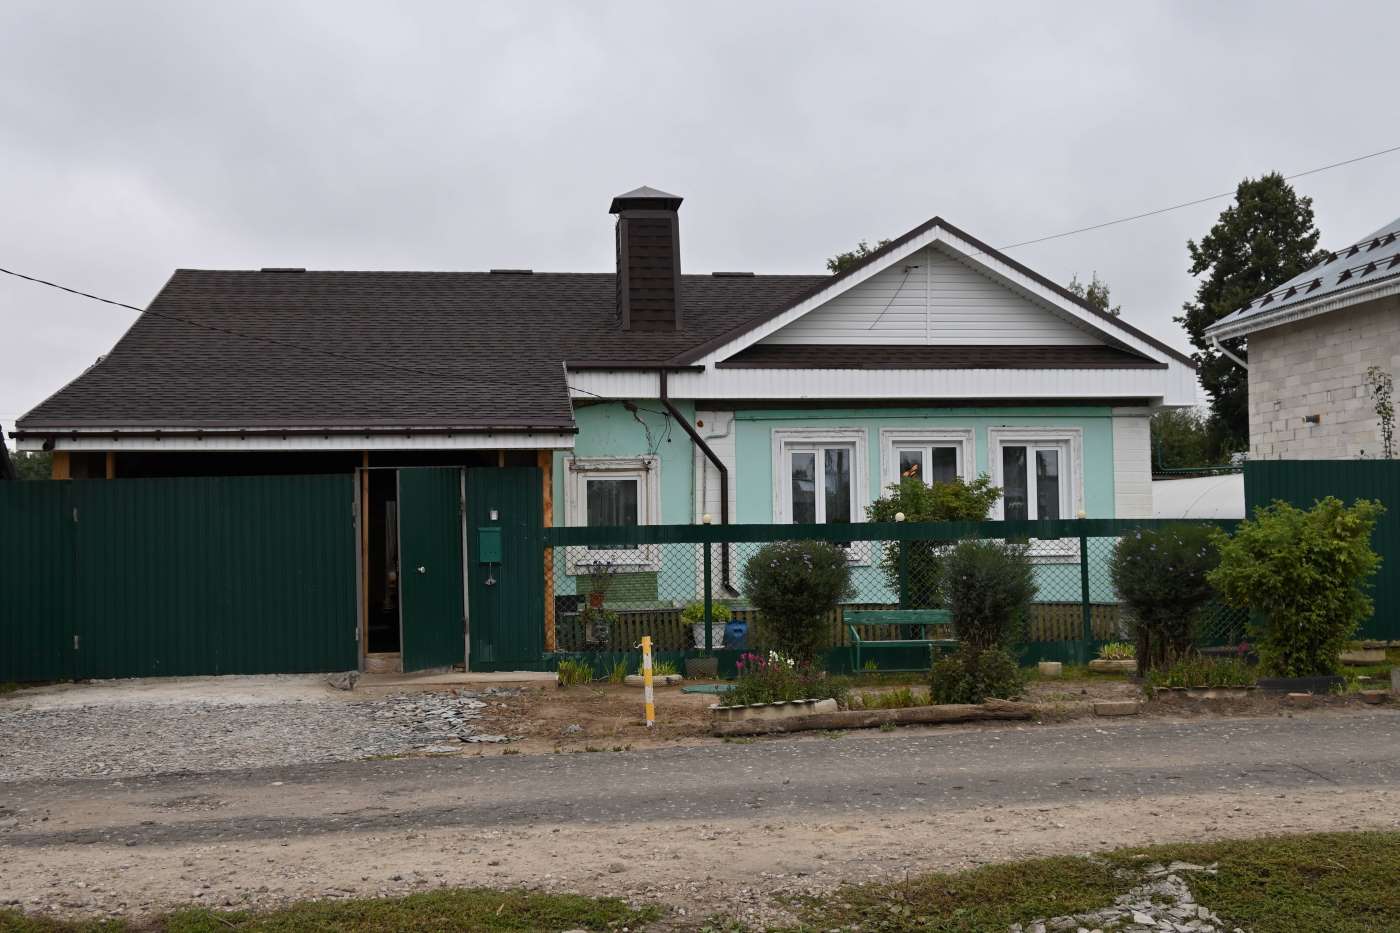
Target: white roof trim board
<point>1364,271</point>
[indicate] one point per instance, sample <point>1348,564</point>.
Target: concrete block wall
<point>1318,367</point>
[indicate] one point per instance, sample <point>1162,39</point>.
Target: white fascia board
<point>104,440</point>
<point>918,386</point>
<point>1224,330</point>
<point>966,251</point>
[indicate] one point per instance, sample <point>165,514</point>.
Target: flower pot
<point>657,680</point>
<point>595,600</point>
<point>1114,665</point>
<point>716,634</point>
<point>1051,668</point>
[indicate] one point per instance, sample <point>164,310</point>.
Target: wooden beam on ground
<point>873,718</point>
<point>546,462</point>
<point>62,467</point>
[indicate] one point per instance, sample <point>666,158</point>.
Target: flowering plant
<point>776,678</point>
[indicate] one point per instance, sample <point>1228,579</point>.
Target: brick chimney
<point>648,260</point>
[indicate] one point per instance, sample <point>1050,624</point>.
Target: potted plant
<point>1115,656</point>
<point>597,622</point>
<point>1201,678</point>
<point>694,616</point>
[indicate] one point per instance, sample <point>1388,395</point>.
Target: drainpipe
<point>1215,342</point>
<point>723,470</point>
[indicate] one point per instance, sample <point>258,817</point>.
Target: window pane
<point>838,484</point>
<point>1047,484</point>
<point>804,488</point>
<point>612,501</point>
<point>911,463</point>
<point>943,465</point>
<point>1013,478</point>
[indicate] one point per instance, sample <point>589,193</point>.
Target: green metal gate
<point>1303,482</point>
<point>432,605</point>
<point>505,514</point>
<point>160,577</point>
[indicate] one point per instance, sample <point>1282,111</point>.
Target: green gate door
<point>431,604</point>
<point>505,512</point>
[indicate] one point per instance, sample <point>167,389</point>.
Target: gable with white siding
<point>934,298</point>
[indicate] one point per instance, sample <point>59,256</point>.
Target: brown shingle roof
<point>469,350</point>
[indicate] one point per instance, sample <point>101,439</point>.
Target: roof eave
<point>1371,291</point>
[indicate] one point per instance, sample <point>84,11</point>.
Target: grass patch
<point>8,686</point>
<point>1073,672</point>
<point>899,698</point>
<point>575,673</point>
<point>457,911</point>
<point>1323,883</point>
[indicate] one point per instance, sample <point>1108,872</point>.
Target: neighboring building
<point>7,467</point>
<point>1220,496</point>
<point>1311,342</point>
<point>642,395</point>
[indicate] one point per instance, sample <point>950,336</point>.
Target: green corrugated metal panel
<point>430,562</point>
<point>507,616</point>
<point>36,581</point>
<point>217,575</point>
<point>177,576</point>
<point>1303,482</point>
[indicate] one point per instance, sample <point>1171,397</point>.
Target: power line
<point>1194,202</point>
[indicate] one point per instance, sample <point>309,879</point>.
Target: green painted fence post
<point>1086,607</point>
<point>709,603</point>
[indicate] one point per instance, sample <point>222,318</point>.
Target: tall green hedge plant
<point>1306,572</point>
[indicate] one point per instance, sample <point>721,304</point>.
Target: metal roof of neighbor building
<point>1369,261</point>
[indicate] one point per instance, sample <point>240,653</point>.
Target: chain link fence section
<point>608,595</point>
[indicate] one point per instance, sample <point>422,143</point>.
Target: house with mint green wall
<point>467,408</point>
<point>936,356</point>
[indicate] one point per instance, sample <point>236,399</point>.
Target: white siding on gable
<point>932,298</point>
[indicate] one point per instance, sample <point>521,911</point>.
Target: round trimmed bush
<point>794,585</point>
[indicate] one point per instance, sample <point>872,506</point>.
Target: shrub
<point>1204,672</point>
<point>575,673</point>
<point>972,676</point>
<point>988,587</point>
<point>1117,651</point>
<point>773,678</point>
<point>1162,576</point>
<point>954,501</point>
<point>794,585</point>
<point>1307,573</point>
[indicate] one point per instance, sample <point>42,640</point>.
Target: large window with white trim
<point>1041,475</point>
<point>819,476</point>
<point>609,491</point>
<point>934,456</point>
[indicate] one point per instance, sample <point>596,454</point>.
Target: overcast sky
<point>136,138</point>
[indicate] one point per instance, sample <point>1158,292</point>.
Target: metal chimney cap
<point>645,198</point>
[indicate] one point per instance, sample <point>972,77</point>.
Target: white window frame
<point>1070,443</point>
<point>786,440</point>
<point>893,440</point>
<point>647,472</point>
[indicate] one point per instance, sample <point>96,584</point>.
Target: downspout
<point>723,470</point>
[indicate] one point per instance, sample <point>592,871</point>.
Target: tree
<point>1095,293</point>
<point>33,464</point>
<point>843,261</point>
<point>1182,437</point>
<point>1263,239</point>
<point>953,501</point>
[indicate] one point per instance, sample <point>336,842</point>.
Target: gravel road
<point>716,827</point>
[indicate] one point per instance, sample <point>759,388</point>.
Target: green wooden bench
<point>908,620</point>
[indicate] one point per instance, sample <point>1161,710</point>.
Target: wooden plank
<point>868,719</point>
<point>111,465</point>
<point>545,458</point>
<point>364,557</point>
<point>61,467</point>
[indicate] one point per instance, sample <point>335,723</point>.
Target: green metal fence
<point>649,575</point>
<point>1303,482</point>
<point>221,575</point>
